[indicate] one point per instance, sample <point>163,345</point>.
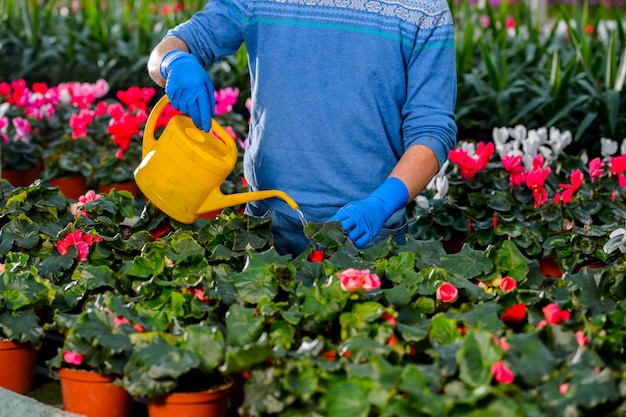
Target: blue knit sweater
<point>340,89</point>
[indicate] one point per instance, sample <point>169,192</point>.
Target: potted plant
<point>22,292</point>
<point>179,374</point>
<point>95,349</point>
<point>24,116</point>
<point>69,165</point>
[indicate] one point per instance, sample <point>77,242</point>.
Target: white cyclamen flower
<point>608,147</point>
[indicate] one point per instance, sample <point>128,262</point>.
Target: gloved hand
<point>189,87</point>
<point>362,220</point>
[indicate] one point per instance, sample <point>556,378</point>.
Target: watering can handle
<point>148,133</point>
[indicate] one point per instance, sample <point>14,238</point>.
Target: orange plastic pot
<point>17,372</point>
<point>93,395</point>
<point>211,403</point>
<point>72,187</point>
<point>21,177</point>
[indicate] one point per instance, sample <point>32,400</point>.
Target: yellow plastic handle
<point>148,133</point>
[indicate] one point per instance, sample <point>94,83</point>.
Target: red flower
<point>391,319</point>
<point>514,315</point>
<point>508,284</point>
<point>502,373</point>
<point>581,339</point>
<point>447,293</point>
<point>554,315</point>
<point>316,256</point>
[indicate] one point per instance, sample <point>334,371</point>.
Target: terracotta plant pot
<point>129,186</point>
<point>72,187</point>
<point>21,177</point>
<point>93,395</point>
<point>17,372</point>
<point>550,268</point>
<point>211,403</point>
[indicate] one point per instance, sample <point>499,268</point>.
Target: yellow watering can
<point>182,171</point>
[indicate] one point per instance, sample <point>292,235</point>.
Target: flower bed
<point>392,330</point>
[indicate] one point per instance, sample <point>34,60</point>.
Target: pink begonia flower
<point>447,293</point>
<point>80,240</point>
<point>622,180</point>
<point>119,320</point>
<point>73,358</point>
<point>75,208</point>
<point>504,345</point>
<point>554,315</point>
<point>354,280</point>
<point>596,169</point>
<point>563,388</point>
<point>2,268</point>
<point>199,294</point>
<point>502,373</point>
<point>581,339</point>
<point>508,284</point>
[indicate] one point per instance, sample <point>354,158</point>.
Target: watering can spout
<point>217,201</point>
<point>182,171</point>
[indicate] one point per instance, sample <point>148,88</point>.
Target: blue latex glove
<point>189,87</point>
<point>362,220</point>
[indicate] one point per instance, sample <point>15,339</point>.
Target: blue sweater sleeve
<point>212,33</point>
<point>428,113</point>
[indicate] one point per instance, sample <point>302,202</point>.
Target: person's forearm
<point>157,54</point>
<point>416,168</point>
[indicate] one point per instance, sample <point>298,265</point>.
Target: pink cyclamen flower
<point>536,179</point>
<point>447,293</point>
<point>577,180</point>
<point>596,169</point>
<point>554,315</point>
<point>508,284</point>
<point>225,99</point>
<point>502,373</point>
<point>354,280</point>
<point>581,339</point>
<point>618,164</point>
<point>73,358</point>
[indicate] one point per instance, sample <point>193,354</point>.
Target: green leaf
<point>529,358</point>
<point>426,252</point>
<point>207,343</point>
<point>242,325</point>
<point>591,287</point>
<point>443,329</point>
<point>477,353</point>
<point>301,380</point>
<point>347,398</point>
<point>509,258</point>
<point>257,280</point>
<point>467,263</point>
<point>21,326</point>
